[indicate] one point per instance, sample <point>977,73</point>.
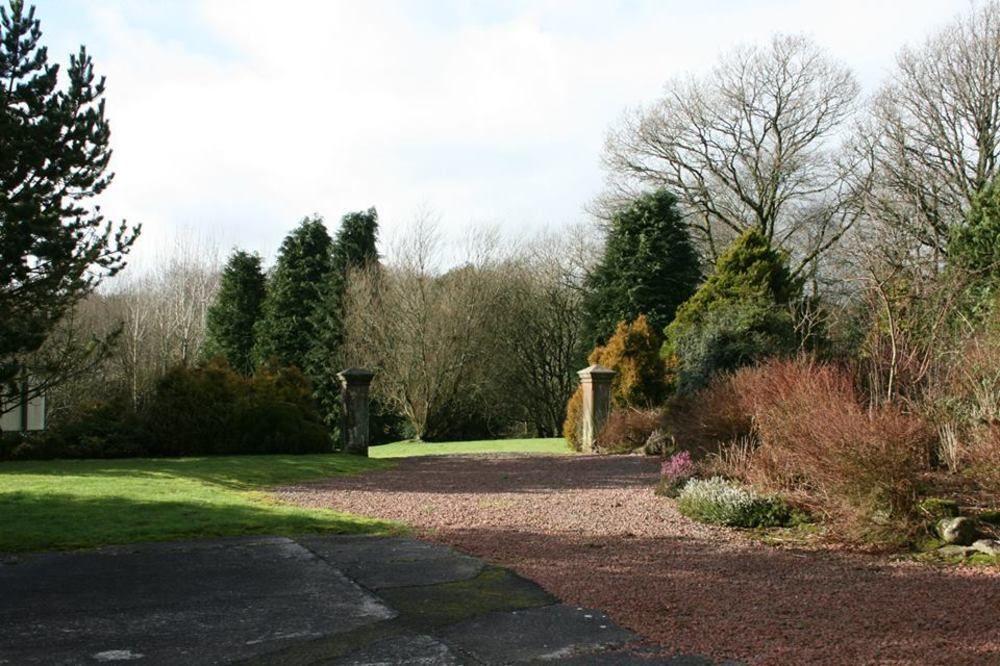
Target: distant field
<point>409,449</point>
<point>63,504</point>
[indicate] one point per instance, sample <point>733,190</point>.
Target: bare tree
<point>934,138</point>
<point>754,143</point>
<point>429,334</point>
<point>161,313</point>
<point>541,336</point>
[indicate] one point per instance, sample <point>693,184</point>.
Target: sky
<point>233,119</point>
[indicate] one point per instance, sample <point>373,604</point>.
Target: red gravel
<point>591,531</point>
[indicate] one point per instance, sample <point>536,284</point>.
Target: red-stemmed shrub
<point>627,430</point>
<point>813,435</point>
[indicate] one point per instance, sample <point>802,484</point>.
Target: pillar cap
<point>597,372</point>
<point>356,375</point>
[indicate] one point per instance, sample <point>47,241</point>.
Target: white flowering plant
<point>721,502</point>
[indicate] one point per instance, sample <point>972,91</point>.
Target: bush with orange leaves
<point>814,437</point>
<point>633,352</point>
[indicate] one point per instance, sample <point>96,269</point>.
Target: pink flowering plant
<point>674,473</point>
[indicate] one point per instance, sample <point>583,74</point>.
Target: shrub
<point>674,473</point>
<point>627,430</point>
<point>801,427</point>
<point>739,315</point>
<point>713,417</point>
<point>721,502</point>
<point>192,411</point>
<point>214,410</point>
<point>633,352</point>
<point>982,456</point>
<point>98,429</point>
<point>574,420</point>
<point>730,335</point>
<point>859,463</point>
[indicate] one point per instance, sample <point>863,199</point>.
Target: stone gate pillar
<point>354,385</point>
<point>596,384</point>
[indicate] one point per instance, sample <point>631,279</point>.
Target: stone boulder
<point>987,546</point>
<point>957,531</point>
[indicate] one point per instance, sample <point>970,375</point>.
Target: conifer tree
<point>55,246</point>
<point>975,246</point>
<point>285,332</point>
<point>353,247</point>
<point>649,268</point>
<point>739,315</point>
<point>229,326</point>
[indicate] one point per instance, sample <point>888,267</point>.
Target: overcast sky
<point>233,119</point>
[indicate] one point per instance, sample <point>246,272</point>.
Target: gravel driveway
<point>591,531</point>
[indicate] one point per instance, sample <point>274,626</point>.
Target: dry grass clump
<point>627,430</point>
<point>981,455</point>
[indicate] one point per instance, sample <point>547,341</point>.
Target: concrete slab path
<point>310,600</point>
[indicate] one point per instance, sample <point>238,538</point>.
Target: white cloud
<point>278,110</point>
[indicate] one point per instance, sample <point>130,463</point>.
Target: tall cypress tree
<point>649,267</point>
<point>354,247</point>
<point>285,331</point>
<point>229,326</point>
<point>55,247</point>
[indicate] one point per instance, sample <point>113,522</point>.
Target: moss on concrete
<point>493,590</point>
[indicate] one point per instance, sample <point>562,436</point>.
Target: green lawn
<point>553,446</point>
<point>82,503</point>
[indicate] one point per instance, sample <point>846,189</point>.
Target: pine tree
<point>739,315</point>
<point>354,247</point>
<point>229,326</point>
<point>54,150</point>
<point>285,332</point>
<point>649,268</point>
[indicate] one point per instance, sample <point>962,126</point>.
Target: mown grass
<point>83,503</point>
<point>410,448</point>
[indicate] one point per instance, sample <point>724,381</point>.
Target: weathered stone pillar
<point>354,385</point>
<point>596,383</point>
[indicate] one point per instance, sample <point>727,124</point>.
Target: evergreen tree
<point>54,150</point>
<point>739,315</point>
<point>649,267</point>
<point>285,331</point>
<point>974,249</point>
<point>353,247</point>
<point>229,326</point>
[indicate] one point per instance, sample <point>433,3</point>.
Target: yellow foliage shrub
<point>571,426</point>
<point>633,352</point>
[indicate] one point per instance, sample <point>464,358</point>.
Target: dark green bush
<point>98,429</point>
<point>741,314</point>
<point>214,410</point>
<point>205,410</point>
<point>731,335</point>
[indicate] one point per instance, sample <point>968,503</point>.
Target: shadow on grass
<point>32,520</point>
<point>232,472</point>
